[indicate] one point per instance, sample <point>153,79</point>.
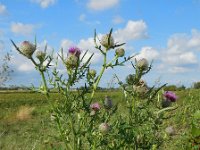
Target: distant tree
<point>196,85</point>
<point>5,70</point>
<point>182,87</point>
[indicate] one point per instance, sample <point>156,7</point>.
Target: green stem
<point>166,109</point>
<point>45,84</point>
<point>113,60</point>
<point>53,107</point>
<point>100,75</point>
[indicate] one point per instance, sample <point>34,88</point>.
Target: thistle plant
<point>86,122</point>
<point>143,126</point>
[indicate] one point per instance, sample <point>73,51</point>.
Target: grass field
<point>25,120</point>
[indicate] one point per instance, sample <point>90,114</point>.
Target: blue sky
<point>166,31</point>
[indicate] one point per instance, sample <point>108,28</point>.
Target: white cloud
<point>22,29</point>
<point>84,45</point>
<point>83,18</point>
<point>44,3</point>
<point>41,46</point>
<point>180,59</point>
<point>21,63</point>
<point>148,52</point>
<point>133,30</point>
<point>176,69</point>
<point>88,44</point>
<point>2,9</point>
<point>180,53</point>
<point>101,4</point>
<point>179,43</point>
<point>66,44</point>
<point>117,20</point>
<point>194,41</point>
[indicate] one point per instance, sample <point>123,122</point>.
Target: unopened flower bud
<point>104,128</point>
<point>92,113</point>
<point>120,52</point>
<point>108,104</point>
<point>107,41</point>
<point>27,49</point>
<point>40,55</point>
<point>71,61</point>
<point>92,72</point>
<point>130,79</point>
<point>140,89</point>
<point>142,64</point>
<point>142,83</point>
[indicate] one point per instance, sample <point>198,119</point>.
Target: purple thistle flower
<point>95,106</point>
<point>170,96</point>
<point>75,51</point>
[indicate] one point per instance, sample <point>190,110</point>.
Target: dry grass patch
<point>24,113</point>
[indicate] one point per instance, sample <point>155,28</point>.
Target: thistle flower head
<point>104,128</point>
<point>120,52</point>
<point>140,89</point>
<point>75,51</point>
<point>130,79</point>
<point>107,41</point>
<point>95,106</point>
<point>170,96</point>
<point>71,61</point>
<point>92,72</point>
<point>142,83</point>
<point>40,55</point>
<point>27,49</point>
<point>142,64</point>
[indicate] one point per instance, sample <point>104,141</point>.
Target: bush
<point>196,85</point>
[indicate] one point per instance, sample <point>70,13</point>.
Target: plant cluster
<point>85,122</point>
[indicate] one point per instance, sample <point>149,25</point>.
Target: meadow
<point>26,121</point>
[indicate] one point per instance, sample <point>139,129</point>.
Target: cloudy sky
<point>166,31</point>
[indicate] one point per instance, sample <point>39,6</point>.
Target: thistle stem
<point>100,75</point>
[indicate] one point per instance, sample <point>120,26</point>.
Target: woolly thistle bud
<point>40,55</point>
<point>92,72</point>
<point>130,79</point>
<point>142,64</point>
<point>107,42</point>
<point>140,89</point>
<point>92,113</point>
<point>71,61</point>
<point>120,52</point>
<point>27,49</point>
<point>104,128</point>
<point>108,104</point>
<point>142,83</point>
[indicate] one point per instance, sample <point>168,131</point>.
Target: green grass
<point>39,132</point>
